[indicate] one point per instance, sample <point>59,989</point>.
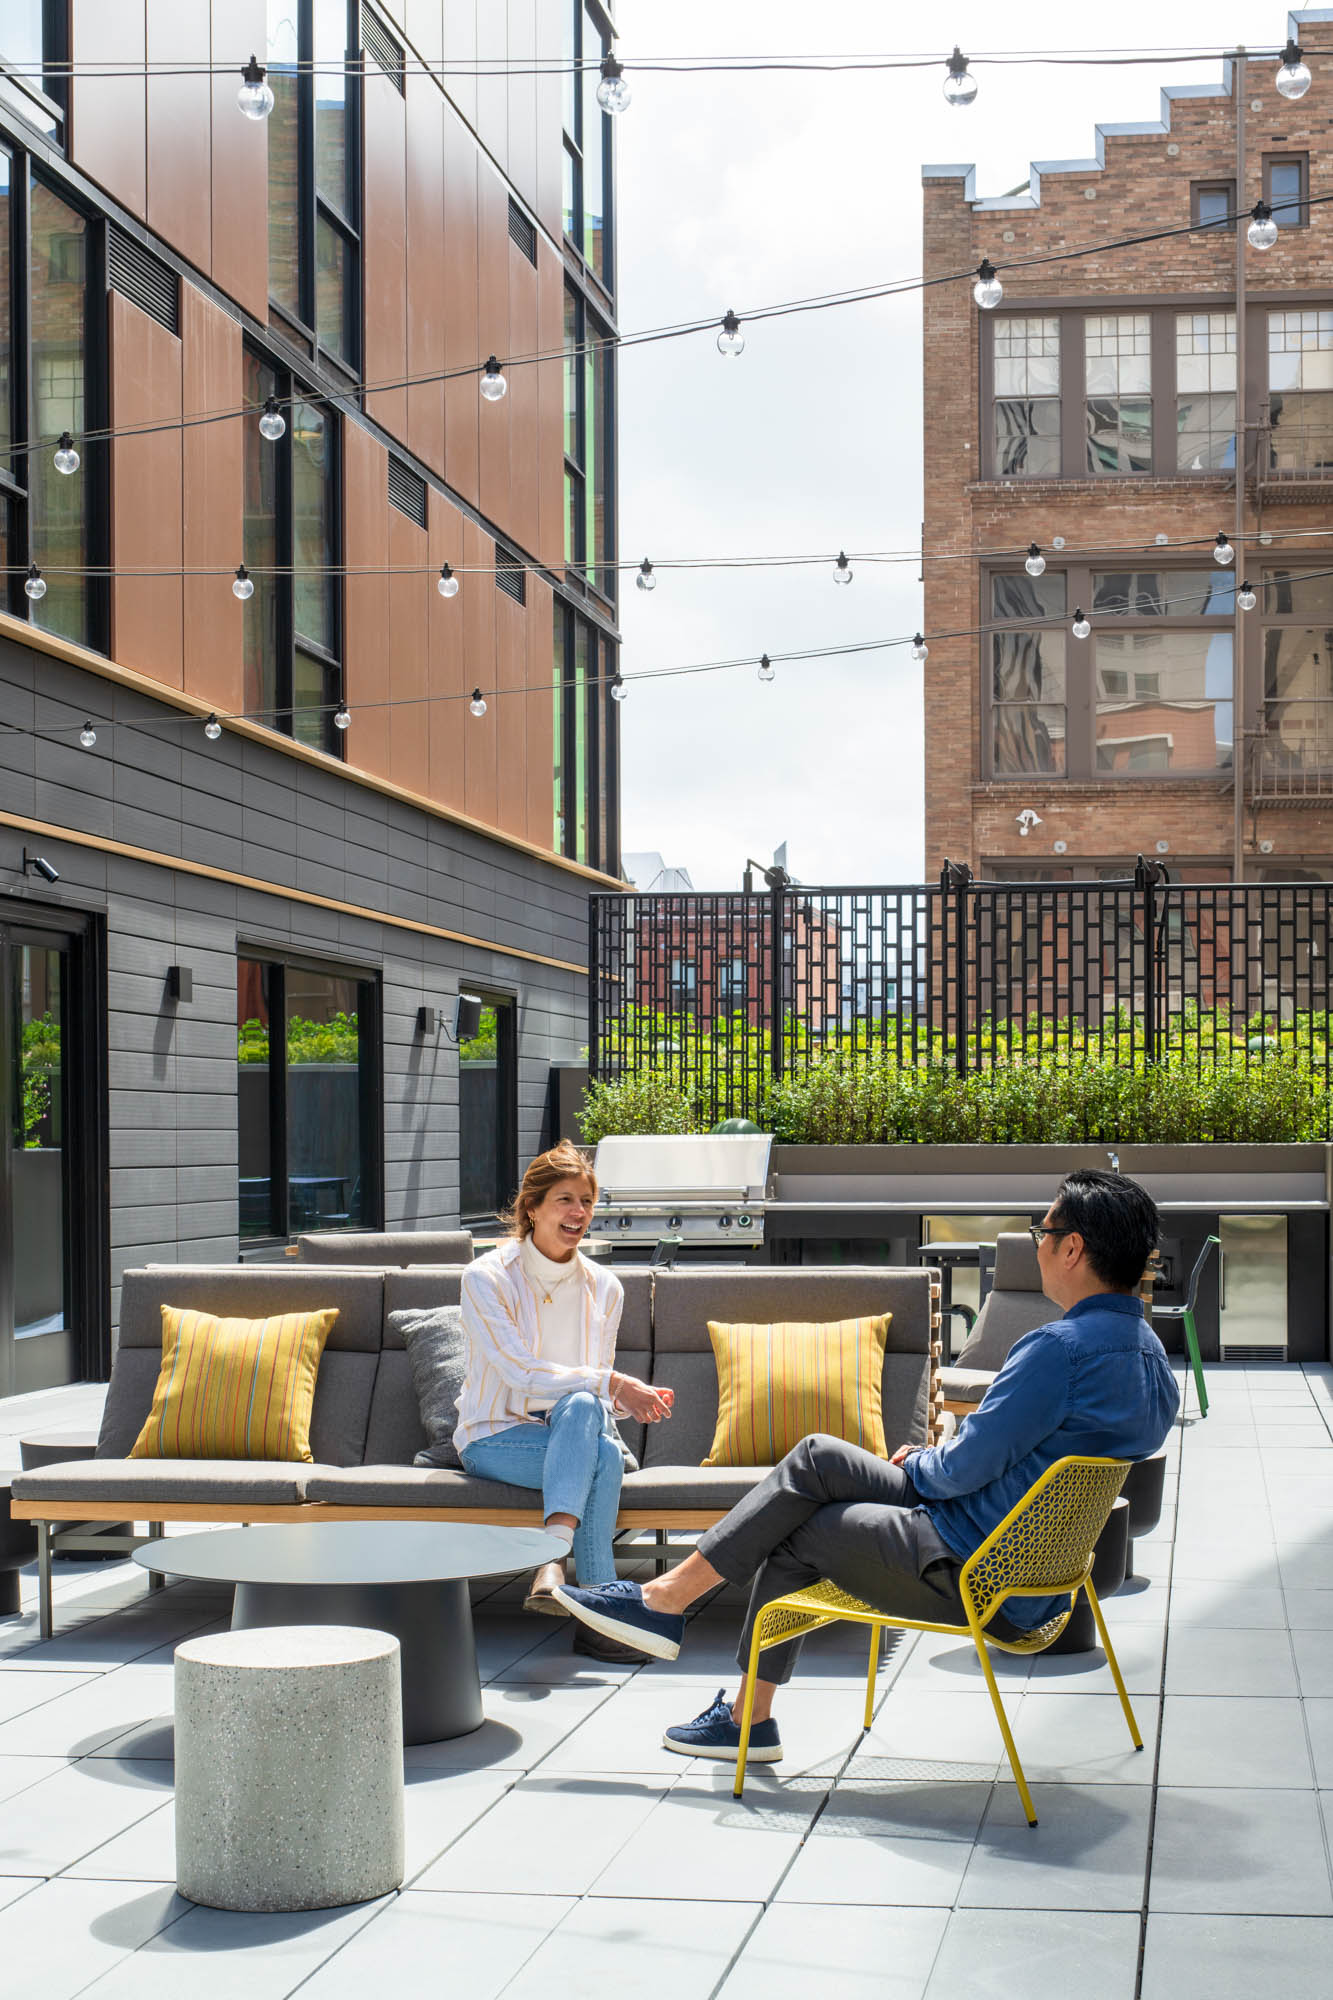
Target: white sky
<point>744,191</point>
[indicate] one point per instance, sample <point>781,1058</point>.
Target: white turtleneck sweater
<point>559,1300</point>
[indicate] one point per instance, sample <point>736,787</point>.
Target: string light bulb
<point>960,86</point>
<point>66,458</point>
<point>212,729</point>
<point>618,689</point>
<point>343,718</point>
<point>1223,553</point>
<point>272,423</point>
<point>987,291</point>
<point>88,736</point>
<point>920,650</point>
<point>34,583</point>
<point>493,385</point>
<point>1036,561</point>
<point>1262,232</point>
<point>448,583</point>
<point>1080,627</point>
<point>613,93</point>
<point>243,584</point>
<point>255,96</point>
<point>1246,598</point>
<point>645,580</point>
<point>731,341</point>
<point>766,668</point>
<point>1293,77</point>
<point>842,569</point>
<point>478,702</point>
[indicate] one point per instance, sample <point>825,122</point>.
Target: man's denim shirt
<point>1095,1384</point>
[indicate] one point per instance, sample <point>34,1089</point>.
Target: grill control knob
<point>673,1222</point>
<point>724,1222</point>
<point>624,1222</point>
<point>744,1221</point>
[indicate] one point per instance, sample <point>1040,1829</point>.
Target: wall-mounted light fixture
<point>1027,819</point>
<point>180,982</point>
<point>37,864</point>
<point>459,1024</point>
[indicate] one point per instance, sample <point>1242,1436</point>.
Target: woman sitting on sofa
<point>537,1401</point>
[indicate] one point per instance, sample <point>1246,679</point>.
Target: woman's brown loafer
<point>541,1591</point>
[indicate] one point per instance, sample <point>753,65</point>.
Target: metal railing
<point>722,993</point>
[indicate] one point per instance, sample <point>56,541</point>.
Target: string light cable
<point>490,370</point>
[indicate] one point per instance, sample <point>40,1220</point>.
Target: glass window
<point>1205,391</point>
<point>307,1065</point>
<point>7,382</point>
<point>1028,717</point>
<point>589,463</point>
<point>293,645</point>
<point>313,175</point>
<point>1027,396</point>
<point>1285,189</point>
<point>57,506</point>
<point>585,744</point>
<point>1298,702</point>
<point>585,656</point>
<point>1300,390</point>
<point>1023,596</point>
<point>33,48</point>
<point>1214,203</point>
<point>587,135</point>
<point>1118,388</point>
<point>558,728</point>
<point>1163,701</point>
<point>1289,593</point>
<point>596,157</point>
<point>1152,593</point>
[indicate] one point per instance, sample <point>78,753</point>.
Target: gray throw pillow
<point>437,1356</point>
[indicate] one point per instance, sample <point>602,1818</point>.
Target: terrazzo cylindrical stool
<point>289,1767</point>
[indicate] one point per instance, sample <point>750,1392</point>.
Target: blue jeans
<point>575,1459</point>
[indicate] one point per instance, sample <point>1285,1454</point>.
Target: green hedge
<point>868,1101</point>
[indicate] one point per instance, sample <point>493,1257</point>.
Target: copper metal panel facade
<point>384,248</point>
<point>179,135</point>
<point>447,719</point>
<point>108,114</point>
<point>462,343</point>
<point>211,459</point>
<point>494,337</point>
<point>426,114</point>
<point>239,163</point>
<point>366,627</point>
<point>146,511</point>
<point>539,704</point>
<point>511,713</point>
<point>405,665</point>
<point>478,598</point>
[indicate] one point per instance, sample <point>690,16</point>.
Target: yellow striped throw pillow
<point>778,1384</point>
<point>235,1388</point>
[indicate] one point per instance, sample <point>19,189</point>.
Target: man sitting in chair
<point>1094,1383</point>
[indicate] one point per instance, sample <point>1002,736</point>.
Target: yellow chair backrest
<point>1044,1545</point>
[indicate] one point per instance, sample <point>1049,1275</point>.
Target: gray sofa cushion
<point>394,1432</point>
<point>387,1247</point>
<point>159,1481</point>
<point>965,1385</point>
<point>414,1486</point>
<point>418,1290</point>
<point>437,1359</point>
<point>660,1486</point>
<point>1015,1304</point>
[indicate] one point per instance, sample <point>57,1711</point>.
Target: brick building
<point>1094,412</point>
<point>228,953</point>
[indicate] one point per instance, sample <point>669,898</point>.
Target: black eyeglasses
<point>1039,1231</point>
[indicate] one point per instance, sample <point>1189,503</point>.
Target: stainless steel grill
<point>692,1191</point>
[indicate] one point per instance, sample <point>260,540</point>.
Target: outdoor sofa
<point>365,1425</point>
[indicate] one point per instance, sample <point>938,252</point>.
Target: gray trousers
<point>834,1511</point>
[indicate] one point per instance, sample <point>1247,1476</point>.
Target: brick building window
<point>1118,390</point>
<point>1297,735</point>
<point>1205,391</point>
<point>1300,390</point>
<point>1212,203</point>
<point>1287,188</point>
<point>1027,681</point>
<point>1162,691</point>
<point>1027,396</point>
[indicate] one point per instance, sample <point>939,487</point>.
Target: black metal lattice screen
<point>722,993</point>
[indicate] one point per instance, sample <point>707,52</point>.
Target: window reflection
<point>1028,717</point>
<point>1163,701</point>
<point>284,177</point>
<point>58,530</point>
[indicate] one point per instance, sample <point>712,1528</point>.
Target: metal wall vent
<point>143,278</point>
<point>387,51</point>
<point>510,575</point>
<point>523,231</point>
<point>407,491</point>
<point>1254,1355</point>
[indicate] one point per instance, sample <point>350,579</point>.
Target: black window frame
<point>45,105</point>
<point>1284,217</point>
<point>289,390</point>
<point>583,566</point>
<point>314,207</point>
<point>585,16</point>
<point>601,759</point>
<point>370,1079</point>
<point>16,507</point>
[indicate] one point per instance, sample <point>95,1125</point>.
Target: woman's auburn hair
<point>562,1163</point>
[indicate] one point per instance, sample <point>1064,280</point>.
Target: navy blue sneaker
<point>617,1611</point>
<point>714,1734</point>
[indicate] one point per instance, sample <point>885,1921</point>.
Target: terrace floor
<point>560,1850</point>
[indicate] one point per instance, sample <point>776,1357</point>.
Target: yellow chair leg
<point>747,1710</point>
<point>1005,1731</point>
<point>870,1676</point>
<point>1114,1665</point>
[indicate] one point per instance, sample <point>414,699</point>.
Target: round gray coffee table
<point>408,1578</point>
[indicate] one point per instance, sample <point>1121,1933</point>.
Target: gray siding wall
<point>154,781</point>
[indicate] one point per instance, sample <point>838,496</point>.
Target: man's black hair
<point>1117,1220</point>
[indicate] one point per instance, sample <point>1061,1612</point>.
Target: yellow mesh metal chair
<point>1042,1548</point>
